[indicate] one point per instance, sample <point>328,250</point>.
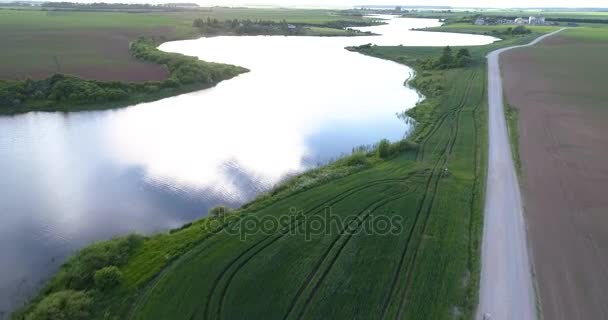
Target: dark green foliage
<point>78,272</point>
<point>447,60</point>
<point>520,30</point>
<point>357,159</point>
<point>107,278</point>
<point>219,211</point>
<point>463,57</point>
<point>269,27</point>
<point>246,27</point>
<point>62,305</point>
<point>384,148</point>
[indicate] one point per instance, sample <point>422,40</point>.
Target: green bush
<point>384,148</point>
<point>107,278</point>
<point>219,211</point>
<point>78,272</point>
<point>356,159</point>
<point>62,305</point>
<point>402,146</point>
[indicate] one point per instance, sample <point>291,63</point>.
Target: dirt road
<point>506,289</point>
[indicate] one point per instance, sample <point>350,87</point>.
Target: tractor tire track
<point>319,263</point>
<point>430,189</point>
<point>286,229</point>
<point>446,158</point>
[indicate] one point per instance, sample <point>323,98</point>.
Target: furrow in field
<point>273,238</point>
<point>430,190</point>
<point>309,278</point>
<point>446,158</point>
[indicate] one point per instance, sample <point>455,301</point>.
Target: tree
<point>463,57</point>
<point>520,30</point>
<point>446,59</point>
<point>219,211</point>
<point>384,148</point>
<point>107,278</point>
<point>62,305</point>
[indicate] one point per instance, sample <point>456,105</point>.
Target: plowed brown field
<point>559,88</point>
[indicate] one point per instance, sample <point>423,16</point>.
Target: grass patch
<point>512,116</point>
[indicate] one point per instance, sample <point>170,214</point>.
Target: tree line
<point>246,27</point>
<point>447,60</point>
<point>213,26</point>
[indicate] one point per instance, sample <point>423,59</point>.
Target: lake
<point>72,178</point>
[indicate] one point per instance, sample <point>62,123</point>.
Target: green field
<point>498,31</point>
<point>552,14</point>
<point>95,45</point>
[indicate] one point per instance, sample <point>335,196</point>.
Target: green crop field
<point>487,29</point>
<point>95,45</point>
<point>549,14</point>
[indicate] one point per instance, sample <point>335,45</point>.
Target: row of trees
<point>214,26</point>
<point>246,27</point>
<point>62,89</point>
<point>447,60</point>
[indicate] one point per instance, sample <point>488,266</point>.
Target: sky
<point>352,3</point>
<point>453,3</point>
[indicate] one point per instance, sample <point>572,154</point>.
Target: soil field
<point>558,88</point>
<point>99,54</point>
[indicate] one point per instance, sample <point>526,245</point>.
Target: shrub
<point>219,211</point>
<point>356,159</point>
<point>62,305</point>
<point>384,148</point>
<point>107,278</point>
<point>78,272</point>
<point>401,146</point>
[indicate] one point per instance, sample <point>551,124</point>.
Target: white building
<point>536,20</point>
<point>520,21</point>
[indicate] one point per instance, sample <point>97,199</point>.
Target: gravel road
<point>506,287</point>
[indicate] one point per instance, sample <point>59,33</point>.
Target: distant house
<point>520,21</point>
<point>291,27</point>
<point>480,21</point>
<point>536,20</point>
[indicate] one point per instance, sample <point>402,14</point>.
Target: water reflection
<point>68,179</point>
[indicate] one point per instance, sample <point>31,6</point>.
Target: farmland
<point>427,267</point>
<point>594,16</point>
<point>558,92</point>
<point>95,45</point>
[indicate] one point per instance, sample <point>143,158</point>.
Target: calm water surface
<point>69,179</point>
